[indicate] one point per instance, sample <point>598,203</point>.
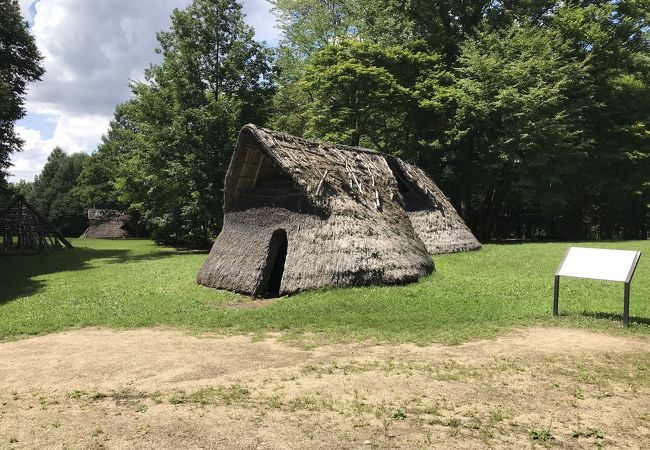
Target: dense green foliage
<point>170,145</point>
<point>533,116</point>
<point>68,186</point>
<point>56,195</point>
<point>373,95</point>
<point>516,134</point>
<point>476,294</point>
<point>20,63</point>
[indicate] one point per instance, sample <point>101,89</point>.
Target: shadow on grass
<point>17,272</point>
<point>617,317</point>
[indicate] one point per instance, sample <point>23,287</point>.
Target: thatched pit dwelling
<point>302,215</point>
<point>433,217</point>
<point>106,224</point>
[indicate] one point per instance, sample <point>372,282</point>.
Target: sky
<point>91,49</point>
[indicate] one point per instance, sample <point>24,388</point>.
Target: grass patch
<point>541,435</point>
<point>230,395</point>
<point>128,284</point>
<point>587,433</point>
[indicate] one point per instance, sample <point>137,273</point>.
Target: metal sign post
<point>598,264</point>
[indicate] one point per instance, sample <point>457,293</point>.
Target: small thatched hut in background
<point>106,224</point>
<point>302,215</point>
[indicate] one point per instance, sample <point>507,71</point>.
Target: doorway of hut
<point>275,264</point>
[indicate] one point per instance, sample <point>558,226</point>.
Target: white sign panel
<point>599,264</point>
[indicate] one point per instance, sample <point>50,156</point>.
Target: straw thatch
<point>338,207</point>
<point>106,224</point>
<point>434,219</point>
<point>302,215</point>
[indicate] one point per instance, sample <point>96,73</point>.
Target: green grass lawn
<point>134,283</point>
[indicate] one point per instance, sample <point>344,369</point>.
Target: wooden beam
<point>257,172</point>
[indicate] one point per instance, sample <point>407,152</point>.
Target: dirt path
<point>167,389</point>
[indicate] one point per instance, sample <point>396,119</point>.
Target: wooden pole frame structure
<point>32,232</point>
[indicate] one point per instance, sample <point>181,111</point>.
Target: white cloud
<point>24,8</point>
<point>91,50</point>
<point>29,163</point>
<point>258,15</point>
<point>72,133</point>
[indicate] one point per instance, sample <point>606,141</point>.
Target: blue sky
<point>91,50</point>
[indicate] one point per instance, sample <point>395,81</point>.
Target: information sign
<point>598,264</point>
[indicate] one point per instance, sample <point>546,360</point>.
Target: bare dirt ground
<point>167,389</point>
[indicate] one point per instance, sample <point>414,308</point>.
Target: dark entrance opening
<point>275,264</point>
<point>413,200</point>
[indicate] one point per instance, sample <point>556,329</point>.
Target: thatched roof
<point>337,210</point>
<point>433,217</point>
<point>106,224</point>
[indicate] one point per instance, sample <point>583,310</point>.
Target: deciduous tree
<point>20,64</point>
<point>179,130</point>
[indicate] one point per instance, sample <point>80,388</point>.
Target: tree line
<point>532,116</point>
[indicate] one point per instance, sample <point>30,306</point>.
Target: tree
<point>310,25</point>
<point>517,131</point>
<point>20,63</point>
<point>22,187</point>
<point>613,38</point>
<point>544,130</point>
<point>54,192</point>
<point>98,183</point>
<point>179,129</point>
<point>391,98</point>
